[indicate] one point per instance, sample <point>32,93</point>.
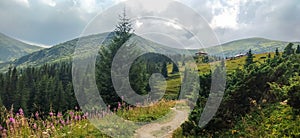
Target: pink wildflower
<point>34,126</point>
<point>71,113</point>
<point>37,114</point>
<point>21,111</point>
<point>12,120</point>
<point>119,105</point>
<point>59,114</point>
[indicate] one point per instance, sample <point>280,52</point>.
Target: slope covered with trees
<point>260,89</point>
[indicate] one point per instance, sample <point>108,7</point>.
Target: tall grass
<point>75,123</point>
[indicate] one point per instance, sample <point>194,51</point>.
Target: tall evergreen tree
<point>298,49</point>
<point>288,50</point>
<point>277,53</point>
<point>122,33</point>
<point>249,59</point>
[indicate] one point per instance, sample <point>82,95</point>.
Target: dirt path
<point>165,128</point>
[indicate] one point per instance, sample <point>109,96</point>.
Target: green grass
<point>276,120</point>
<point>147,114</point>
<point>232,64</point>
<point>110,125</point>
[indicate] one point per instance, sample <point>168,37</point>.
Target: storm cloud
<point>49,22</point>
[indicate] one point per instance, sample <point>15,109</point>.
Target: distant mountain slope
<point>64,51</point>
<point>59,52</point>
<point>257,45</point>
<point>11,49</point>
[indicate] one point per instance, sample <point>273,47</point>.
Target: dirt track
<point>163,129</point>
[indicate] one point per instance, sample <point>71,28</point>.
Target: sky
<point>49,22</point>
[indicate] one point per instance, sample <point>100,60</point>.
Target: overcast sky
<point>49,22</point>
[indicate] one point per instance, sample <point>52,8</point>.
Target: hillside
<point>64,51</point>
<point>11,49</point>
<point>257,45</point>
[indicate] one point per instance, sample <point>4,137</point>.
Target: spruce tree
<point>298,49</point>
<point>249,59</point>
<point>288,50</point>
<point>277,52</point>
<point>269,55</point>
<point>121,34</point>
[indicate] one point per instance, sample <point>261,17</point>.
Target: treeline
<point>257,84</point>
<point>42,89</point>
<point>50,87</point>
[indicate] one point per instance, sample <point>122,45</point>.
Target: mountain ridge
<point>64,51</point>
<point>11,48</point>
<point>256,44</point>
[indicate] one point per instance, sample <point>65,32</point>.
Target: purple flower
<point>62,121</point>
<point>12,120</point>
<point>71,113</point>
<point>21,111</point>
<point>34,126</point>
<point>119,105</point>
<point>1,127</point>
<point>51,113</point>
<point>36,114</point>
<point>85,115</point>
<point>59,114</point>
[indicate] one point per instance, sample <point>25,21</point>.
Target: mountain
<point>257,45</point>
<point>11,49</point>
<point>65,51</point>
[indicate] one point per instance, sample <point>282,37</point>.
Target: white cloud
<point>50,3</point>
<point>23,2</point>
<point>88,5</point>
<point>225,16</point>
<point>118,1</point>
<point>230,19</point>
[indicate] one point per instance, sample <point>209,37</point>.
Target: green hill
<point>11,49</point>
<point>257,45</point>
<point>64,51</point>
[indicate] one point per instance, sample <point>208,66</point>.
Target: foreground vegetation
<point>261,100</point>
<point>75,123</point>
